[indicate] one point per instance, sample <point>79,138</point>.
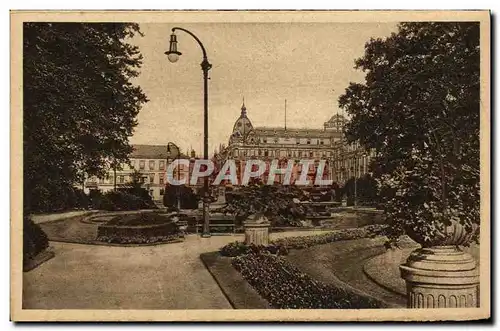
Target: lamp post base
<point>206,218</point>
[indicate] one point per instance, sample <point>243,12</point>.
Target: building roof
<point>242,125</point>
<point>336,122</point>
<point>294,132</point>
<point>153,152</point>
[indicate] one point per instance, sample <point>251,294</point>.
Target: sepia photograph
<point>250,165</point>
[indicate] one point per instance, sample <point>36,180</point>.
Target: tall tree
<point>80,105</point>
<point>419,109</point>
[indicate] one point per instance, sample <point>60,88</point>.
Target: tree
<point>79,104</point>
<point>419,110</point>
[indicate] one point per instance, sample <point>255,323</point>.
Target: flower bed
<point>238,248</point>
<point>283,245</point>
<point>143,228</point>
<point>286,287</point>
<point>369,231</point>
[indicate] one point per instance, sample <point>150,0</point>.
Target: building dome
<point>242,126</point>
<point>336,123</point>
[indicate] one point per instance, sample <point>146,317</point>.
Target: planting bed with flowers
<point>142,228</point>
<point>283,245</point>
<point>286,287</point>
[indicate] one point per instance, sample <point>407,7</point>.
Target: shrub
<point>273,201</point>
<point>34,239</point>
<point>124,201</point>
<point>188,198</point>
<point>148,218</point>
<point>285,287</point>
<point>105,203</point>
<point>49,199</point>
<point>119,200</point>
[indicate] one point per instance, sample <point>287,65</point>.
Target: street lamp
<point>169,153</point>
<point>173,56</point>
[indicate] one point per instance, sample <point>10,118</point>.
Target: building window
<point>259,152</point>
<point>162,191</point>
<point>122,179</point>
<point>322,142</point>
<point>309,141</point>
<point>162,165</point>
<point>311,154</point>
<point>151,178</point>
<point>266,153</point>
<point>162,178</point>
<point>152,165</point>
<point>132,164</point>
<point>297,141</point>
<point>264,140</point>
<point>235,152</point>
<point>142,164</point>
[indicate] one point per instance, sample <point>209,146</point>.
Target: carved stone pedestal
<point>257,231</point>
<point>441,277</point>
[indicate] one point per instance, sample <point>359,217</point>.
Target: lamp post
<point>173,56</point>
<point>169,153</point>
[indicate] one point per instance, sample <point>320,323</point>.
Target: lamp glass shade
<point>173,54</point>
<point>173,57</point>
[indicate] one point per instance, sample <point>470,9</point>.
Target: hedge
<point>285,287</point>
<point>119,200</point>
<point>283,245</point>
<point>34,239</point>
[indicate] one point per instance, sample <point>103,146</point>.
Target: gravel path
<point>344,261</point>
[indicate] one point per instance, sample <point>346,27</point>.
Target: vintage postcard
<point>250,166</point>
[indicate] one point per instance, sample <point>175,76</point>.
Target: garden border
<point>231,282</point>
<point>42,257</point>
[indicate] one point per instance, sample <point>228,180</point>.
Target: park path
<point>170,276</point>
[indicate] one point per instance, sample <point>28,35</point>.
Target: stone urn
<point>257,230</point>
<point>440,274</point>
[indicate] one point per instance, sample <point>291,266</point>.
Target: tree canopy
<point>79,105</point>
<point>419,109</point>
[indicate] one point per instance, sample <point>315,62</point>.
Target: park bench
<point>219,224</point>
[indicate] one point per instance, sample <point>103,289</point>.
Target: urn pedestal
<point>257,231</point>
<point>441,277</point>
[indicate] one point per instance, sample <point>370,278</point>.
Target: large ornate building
<point>282,143</point>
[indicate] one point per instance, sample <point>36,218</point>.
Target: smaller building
<point>350,161</point>
<point>151,162</point>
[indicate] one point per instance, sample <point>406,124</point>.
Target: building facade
<point>151,162</point>
<point>292,144</point>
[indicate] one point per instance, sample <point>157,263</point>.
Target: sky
<point>308,64</point>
